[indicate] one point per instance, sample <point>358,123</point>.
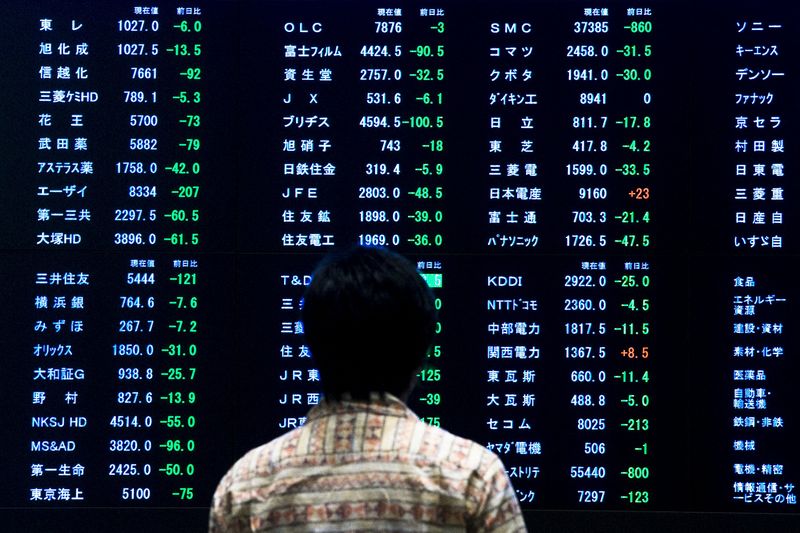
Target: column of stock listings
<point>600,196</point>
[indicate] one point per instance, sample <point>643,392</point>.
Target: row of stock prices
<point>598,194</point>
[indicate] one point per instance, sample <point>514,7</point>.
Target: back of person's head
<point>369,320</point>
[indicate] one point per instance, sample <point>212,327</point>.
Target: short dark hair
<point>369,319</point>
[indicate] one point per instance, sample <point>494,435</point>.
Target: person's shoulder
<point>475,474</point>
<point>460,452</point>
<point>480,477</point>
<point>262,461</point>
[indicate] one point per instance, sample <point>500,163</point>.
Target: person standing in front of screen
<point>363,461</point>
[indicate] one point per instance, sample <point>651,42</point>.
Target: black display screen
<point>599,193</point>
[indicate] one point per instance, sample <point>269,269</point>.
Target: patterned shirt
<point>366,466</point>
